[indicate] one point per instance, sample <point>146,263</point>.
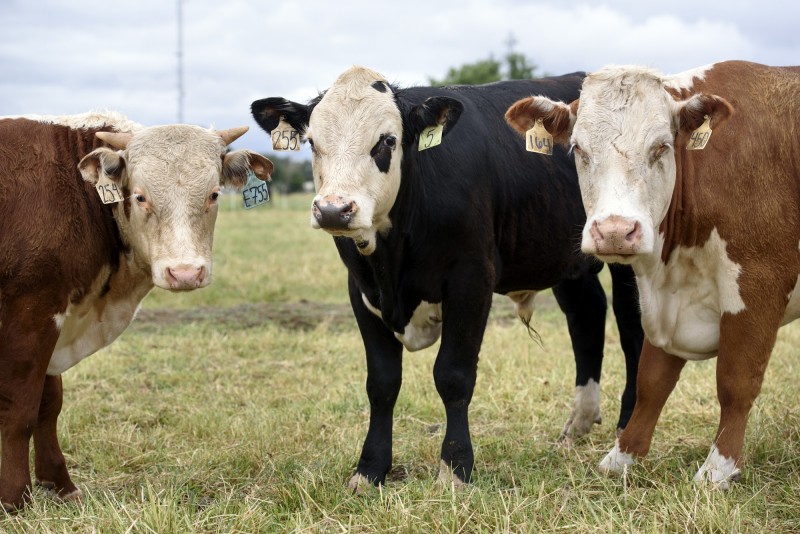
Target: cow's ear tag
<point>254,192</point>
<point>430,137</point>
<point>108,190</point>
<point>284,137</point>
<point>699,138</point>
<point>539,140</point>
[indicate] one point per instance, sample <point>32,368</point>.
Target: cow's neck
<point>680,226</point>
<point>383,264</point>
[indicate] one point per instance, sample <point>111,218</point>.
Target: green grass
<point>241,408</point>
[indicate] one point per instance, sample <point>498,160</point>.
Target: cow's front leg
<point>384,376</point>
<point>625,300</point>
<point>51,469</point>
<point>658,374</point>
<point>746,342</point>
<point>27,339</point>
<point>465,310</point>
<point>583,302</point>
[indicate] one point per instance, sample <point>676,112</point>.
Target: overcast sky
<point>61,57</point>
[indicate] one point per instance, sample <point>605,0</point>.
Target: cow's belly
<point>424,328</point>
<point>683,301</point>
<point>94,323</point>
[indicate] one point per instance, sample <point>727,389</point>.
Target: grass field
<point>241,408</point>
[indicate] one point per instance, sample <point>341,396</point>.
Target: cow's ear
<point>692,112</point>
<point>268,112</point>
<point>435,110</point>
<point>236,164</point>
<point>103,162</point>
<point>557,117</point>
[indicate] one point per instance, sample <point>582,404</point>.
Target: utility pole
<point>180,61</point>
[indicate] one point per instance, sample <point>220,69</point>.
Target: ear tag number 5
<point>255,191</point>
<point>430,137</point>
<point>539,140</point>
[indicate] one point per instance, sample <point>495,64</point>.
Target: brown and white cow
<point>74,270</point>
<point>712,234</point>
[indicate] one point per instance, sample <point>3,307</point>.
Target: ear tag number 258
<point>255,191</point>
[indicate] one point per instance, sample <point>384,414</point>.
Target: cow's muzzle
<point>334,213</point>
<point>185,277</point>
<point>616,236</point>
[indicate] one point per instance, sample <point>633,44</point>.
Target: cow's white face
<point>171,177</point>
<point>624,132</point>
<point>623,140</point>
<point>356,134</point>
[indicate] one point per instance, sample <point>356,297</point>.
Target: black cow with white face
<point>428,235</point>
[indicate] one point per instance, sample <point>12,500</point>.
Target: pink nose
<point>185,276</point>
<point>617,236</point>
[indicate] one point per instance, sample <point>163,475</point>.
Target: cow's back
<point>482,189</point>
<point>54,228</point>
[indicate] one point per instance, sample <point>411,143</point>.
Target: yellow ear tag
<point>700,136</point>
<point>538,140</point>
<point>284,137</point>
<point>108,190</point>
<point>430,137</point>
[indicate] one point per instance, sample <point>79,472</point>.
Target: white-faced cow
<point>428,235</point>
<point>74,270</point>
<point>712,234</point>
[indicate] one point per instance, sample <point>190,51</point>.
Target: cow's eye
<point>214,196</point>
<point>579,153</point>
<point>140,199</point>
<point>390,141</point>
<point>660,150</point>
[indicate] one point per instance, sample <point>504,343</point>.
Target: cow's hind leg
<point>384,377</point>
<point>625,301</point>
<point>51,469</point>
<point>583,301</point>
<point>28,340</point>
<point>746,342</point>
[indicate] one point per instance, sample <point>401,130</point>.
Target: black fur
<point>476,215</point>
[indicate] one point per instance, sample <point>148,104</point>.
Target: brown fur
<point>746,184</point>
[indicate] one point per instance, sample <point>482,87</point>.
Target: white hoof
<point>616,461</point>
<point>718,470</point>
<point>358,484</point>
<point>585,412</point>
<point>448,478</point>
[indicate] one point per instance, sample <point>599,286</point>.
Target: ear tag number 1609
<point>255,191</point>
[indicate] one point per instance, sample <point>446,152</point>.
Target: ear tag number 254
<point>255,191</point>
<point>109,191</point>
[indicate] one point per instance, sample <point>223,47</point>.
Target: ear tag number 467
<point>255,191</point>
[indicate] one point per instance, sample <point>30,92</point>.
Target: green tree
<point>515,66</point>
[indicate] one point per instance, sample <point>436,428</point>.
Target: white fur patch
<point>585,411</point>
<point>616,461</point>
<point>95,322</point>
<point>92,119</point>
<point>718,470</point>
<point>685,79</point>
<point>683,301</point>
<point>424,328</point>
